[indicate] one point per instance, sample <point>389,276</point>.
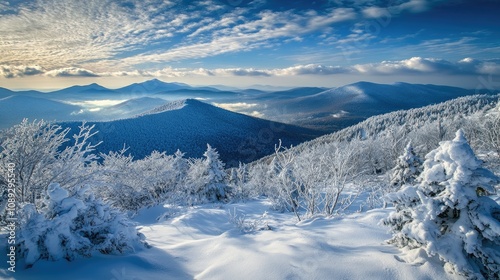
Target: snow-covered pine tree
<point>206,179</point>
<point>408,167</point>
<point>72,226</point>
<point>216,188</point>
<point>453,217</point>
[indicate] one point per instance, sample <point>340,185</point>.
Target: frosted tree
<point>343,163</point>
<point>284,187</point>
<point>42,154</point>
<point>206,179</point>
<point>216,188</point>
<point>72,226</point>
<point>450,214</point>
<point>238,179</point>
<point>408,167</point>
<point>490,129</point>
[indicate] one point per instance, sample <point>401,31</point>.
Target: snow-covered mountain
<point>384,136</point>
<point>189,125</point>
<point>318,108</point>
<point>337,108</point>
<point>132,107</point>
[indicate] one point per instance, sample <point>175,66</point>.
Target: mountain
<point>318,108</point>
<point>86,89</point>
<point>132,107</point>
<point>291,93</point>
<point>151,87</point>
<point>452,113</point>
<point>16,107</point>
<point>5,92</point>
<point>340,107</point>
<point>189,125</point>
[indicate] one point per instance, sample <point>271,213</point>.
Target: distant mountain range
<point>189,125</point>
<point>325,109</point>
<point>334,109</point>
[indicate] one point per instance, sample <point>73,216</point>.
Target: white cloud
<point>375,12</point>
<point>311,69</point>
<point>13,71</point>
<point>71,72</point>
<point>111,36</point>
<point>235,33</point>
<point>256,114</point>
<point>411,66</point>
<point>59,33</point>
<point>416,65</point>
<point>239,106</point>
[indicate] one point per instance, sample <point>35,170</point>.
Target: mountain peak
<point>152,86</point>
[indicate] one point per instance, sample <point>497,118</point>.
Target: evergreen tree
<point>216,188</point>
<point>449,213</point>
<point>206,179</point>
<point>408,167</point>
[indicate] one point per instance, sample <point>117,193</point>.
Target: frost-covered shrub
<point>314,180</point>
<point>130,184</point>
<point>246,224</point>
<point>71,226</point>
<point>449,214</point>
<point>238,180</point>
<point>42,153</point>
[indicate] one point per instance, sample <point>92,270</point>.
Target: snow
<point>201,243</point>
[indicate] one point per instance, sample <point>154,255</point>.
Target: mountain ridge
<point>190,126</point>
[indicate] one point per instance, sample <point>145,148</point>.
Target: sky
<point>51,44</point>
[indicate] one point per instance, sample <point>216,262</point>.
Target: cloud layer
<point>411,66</point>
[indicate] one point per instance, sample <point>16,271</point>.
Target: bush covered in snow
<point>130,184</point>
<point>449,214</point>
<point>71,226</point>
<point>41,154</point>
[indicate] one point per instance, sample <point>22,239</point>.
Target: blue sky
<point>56,43</point>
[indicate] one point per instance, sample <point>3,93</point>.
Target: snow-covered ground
<point>205,242</point>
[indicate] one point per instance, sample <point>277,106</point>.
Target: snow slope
<point>201,243</point>
<point>189,126</point>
